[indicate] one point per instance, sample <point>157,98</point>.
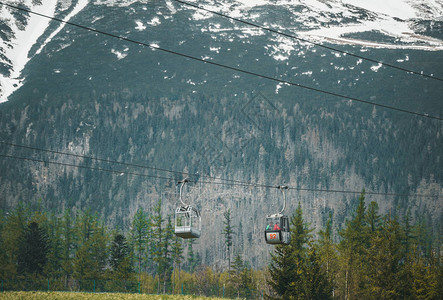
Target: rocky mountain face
<point>92,95</point>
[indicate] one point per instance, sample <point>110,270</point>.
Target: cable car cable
<point>231,182</point>
<point>156,47</point>
<point>255,185</point>
<point>119,172</point>
<point>243,184</point>
<point>224,181</point>
<point>308,41</point>
<point>120,163</point>
<point>94,158</point>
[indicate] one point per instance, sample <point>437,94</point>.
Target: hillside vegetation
<point>101,296</point>
<point>373,255</point>
<point>109,126</point>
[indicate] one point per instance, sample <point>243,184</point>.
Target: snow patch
<point>24,40</point>
<point>394,8</point>
<point>201,15</point>
<point>375,68</point>
<point>154,22</point>
<point>120,55</point>
<point>80,5</point>
<point>140,26</point>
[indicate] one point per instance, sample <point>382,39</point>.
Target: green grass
<point>101,296</point>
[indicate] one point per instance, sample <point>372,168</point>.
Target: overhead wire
<point>308,41</point>
<point>219,181</point>
<point>232,182</point>
<point>117,162</point>
<point>119,172</point>
<point>290,83</point>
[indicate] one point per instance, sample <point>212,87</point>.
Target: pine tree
<point>281,270</point>
<point>177,258</point>
<point>119,252</point>
<point>228,232</point>
<point>192,259</point>
<point>3,256</point>
<point>55,251</point>
<point>120,262</point>
<point>316,282</point>
<point>68,240</point>
<point>386,256</point>
<point>372,217</point>
<point>235,275</point>
<point>11,237</point>
<point>300,238</point>
<point>353,248</point>
<point>139,236</point>
<point>240,278</point>
<point>157,235</point>
<point>439,271</point>
<point>91,256</point>
<point>405,275</point>
<point>288,262</point>
<point>166,249</point>
<point>33,250</point>
<point>327,253</point>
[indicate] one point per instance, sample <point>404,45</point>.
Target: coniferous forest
<point>100,129</point>
<point>373,256</point>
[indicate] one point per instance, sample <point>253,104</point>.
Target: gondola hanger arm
<point>182,182</point>
<point>282,188</point>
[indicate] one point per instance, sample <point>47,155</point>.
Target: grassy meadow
<point>94,296</point>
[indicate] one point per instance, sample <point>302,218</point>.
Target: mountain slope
<point>403,24</point>
<point>97,96</point>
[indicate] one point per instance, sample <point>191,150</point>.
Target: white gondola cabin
<point>187,222</point>
<point>187,219</point>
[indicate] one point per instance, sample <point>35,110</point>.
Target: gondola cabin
<point>277,229</point>
<point>187,222</point>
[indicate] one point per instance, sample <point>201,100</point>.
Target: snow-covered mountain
<point>396,24</point>
<point>91,94</point>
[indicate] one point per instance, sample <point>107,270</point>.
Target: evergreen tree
<point>387,257</point>
<point>316,282</point>
<point>228,232</point>
<point>240,278</point>
<point>192,259</point>
<point>353,248</point>
<point>372,217</point>
<point>120,262</point>
<point>55,251</point>
<point>300,238</point>
<point>327,254</point>
<point>166,264</point>
<point>68,240</point>
<point>119,252</point>
<point>281,270</point>
<point>92,252</point>
<point>157,235</point>
<point>439,271</point>
<point>405,275</point>
<point>288,262</point>
<point>177,258</point>
<point>3,256</point>
<point>11,238</point>
<point>139,235</point>
<point>33,250</point>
